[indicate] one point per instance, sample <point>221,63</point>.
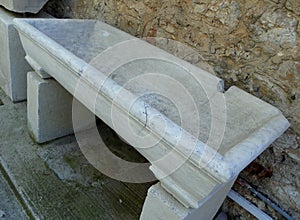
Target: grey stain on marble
<point>86,40</point>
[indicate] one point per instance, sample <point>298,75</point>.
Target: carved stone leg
<point>159,204</point>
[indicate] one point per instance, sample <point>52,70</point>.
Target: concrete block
<point>159,204</point>
<point>13,66</point>
<point>49,108</point>
<point>32,6</point>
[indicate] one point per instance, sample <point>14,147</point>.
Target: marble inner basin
<point>204,134</point>
<point>32,6</point>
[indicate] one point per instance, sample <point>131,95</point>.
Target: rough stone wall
<point>253,44</point>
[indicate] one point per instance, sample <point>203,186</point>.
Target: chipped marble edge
<point>243,153</point>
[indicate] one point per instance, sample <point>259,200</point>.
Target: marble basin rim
<point>47,52</point>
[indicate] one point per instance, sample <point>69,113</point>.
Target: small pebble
<point>221,216</point>
<point>2,214</point>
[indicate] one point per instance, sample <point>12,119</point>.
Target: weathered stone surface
<point>284,184</point>
<point>293,5</point>
<point>33,6</point>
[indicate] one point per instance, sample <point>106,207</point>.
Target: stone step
<point>10,207</point>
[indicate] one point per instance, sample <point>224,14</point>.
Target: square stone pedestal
<point>49,108</point>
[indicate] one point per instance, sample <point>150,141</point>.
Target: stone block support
<point>49,109</point>
<point>13,66</point>
<point>159,204</point>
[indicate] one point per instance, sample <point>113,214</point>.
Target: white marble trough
<point>21,6</point>
<point>196,136</point>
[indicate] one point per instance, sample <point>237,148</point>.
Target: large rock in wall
<point>254,44</point>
